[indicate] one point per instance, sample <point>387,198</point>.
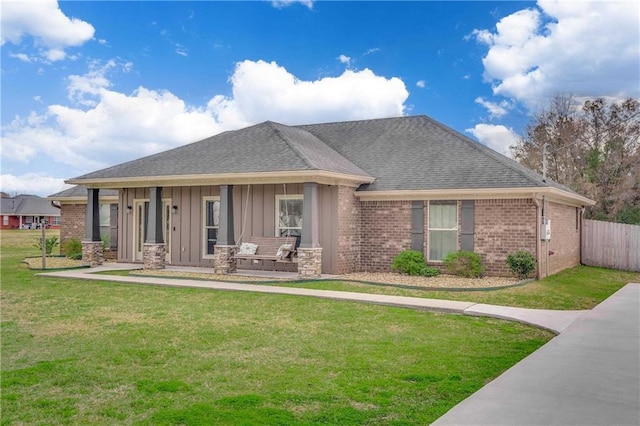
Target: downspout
<point>536,201</point>
<point>582,209</point>
<point>546,241</point>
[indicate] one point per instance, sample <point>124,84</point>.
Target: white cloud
<point>102,126</point>
<point>43,20</point>
<point>280,4</point>
<point>267,91</point>
<point>31,183</point>
<point>421,84</point>
<point>345,59</point>
<point>497,137</point>
<point>23,57</point>
<point>495,110</point>
<point>584,48</point>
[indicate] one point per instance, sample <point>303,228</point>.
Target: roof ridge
<point>273,125</point>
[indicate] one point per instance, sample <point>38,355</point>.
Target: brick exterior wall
<point>564,246</point>
<point>502,227</point>
<point>72,220</point>
<point>349,231</point>
<point>386,231</point>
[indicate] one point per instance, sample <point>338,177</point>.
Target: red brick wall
<point>502,227</point>
<point>348,231</point>
<point>386,231</point>
<point>564,246</point>
<point>14,222</point>
<point>72,219</point>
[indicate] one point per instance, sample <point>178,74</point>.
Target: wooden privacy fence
<point>611,245</point>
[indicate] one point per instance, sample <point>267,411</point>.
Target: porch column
<point>224,261</point>
<point>310,252</point>
<point>92,250</point>
<point>154,249</point>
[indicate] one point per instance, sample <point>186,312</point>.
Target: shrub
<point>50,244</point>
<point>411,262</point>
<point>72,248</point>
<point>521,263</point>
<point>464,263</point>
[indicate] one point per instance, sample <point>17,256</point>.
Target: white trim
<point>205,199</point>
<point>280,197</point>
<point>300,176</point>
<point>561,196</point>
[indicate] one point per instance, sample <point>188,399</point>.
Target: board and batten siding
<point>254,213</point>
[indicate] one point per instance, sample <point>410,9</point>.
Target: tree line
<point>593,149</point>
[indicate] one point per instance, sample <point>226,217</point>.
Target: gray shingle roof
<point>27,205</point>
<point>265,147</point>
<point>404,153</point>
<point>81,192</point>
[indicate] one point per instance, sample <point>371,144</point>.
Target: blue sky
<point>86,85</point>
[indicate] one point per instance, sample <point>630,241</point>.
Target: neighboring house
<point>355,193</point>
<point>28,212</point>
<point>73,207</point>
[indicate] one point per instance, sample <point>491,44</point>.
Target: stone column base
<point>154,255</point>
<point>309,262</point>
<point>224,260</point>
<point>92,253</point>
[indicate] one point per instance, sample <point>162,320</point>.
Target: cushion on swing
<point>248,248</point>
<point>284,250</point>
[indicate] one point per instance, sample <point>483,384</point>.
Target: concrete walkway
<point>588,375</point>
<point>555,321</point>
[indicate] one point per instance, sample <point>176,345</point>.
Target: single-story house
<point>28,212</point>
<point>352,194</point>
<point>73,211</point>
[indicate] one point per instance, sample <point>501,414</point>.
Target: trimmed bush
<point>411,262</point>
<point>72,248</point>
<point>464,263</point>
<point>521,263</point>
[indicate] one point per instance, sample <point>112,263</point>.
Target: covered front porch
<point>205,226</point>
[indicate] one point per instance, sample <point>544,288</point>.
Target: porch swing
<point>259,249</point>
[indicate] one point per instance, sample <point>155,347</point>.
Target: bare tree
<point>594,150</point>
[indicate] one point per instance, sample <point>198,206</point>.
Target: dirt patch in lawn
<point>53,262</point>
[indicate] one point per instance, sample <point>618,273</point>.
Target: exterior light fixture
<point>174,209</point>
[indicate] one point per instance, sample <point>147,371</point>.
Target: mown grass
<point>103,353</point>
<point>582,287</point>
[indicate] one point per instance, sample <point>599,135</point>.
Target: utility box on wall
<point>545,231</point>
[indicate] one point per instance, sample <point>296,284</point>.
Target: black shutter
<point>466,225</point>
<point>417,226</point>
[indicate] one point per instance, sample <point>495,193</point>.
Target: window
<point>5,220</point>
<point>288,215</point>
<point>105,221</point>
<point>211,223</point>
<point>443,229</point>
<point>56,220</point>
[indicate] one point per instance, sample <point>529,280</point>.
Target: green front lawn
<point>102,353</point>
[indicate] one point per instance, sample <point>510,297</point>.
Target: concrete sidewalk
<point>588,375</point>
<point>555,321</point>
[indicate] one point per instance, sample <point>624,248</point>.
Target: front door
<point>140,215</point>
